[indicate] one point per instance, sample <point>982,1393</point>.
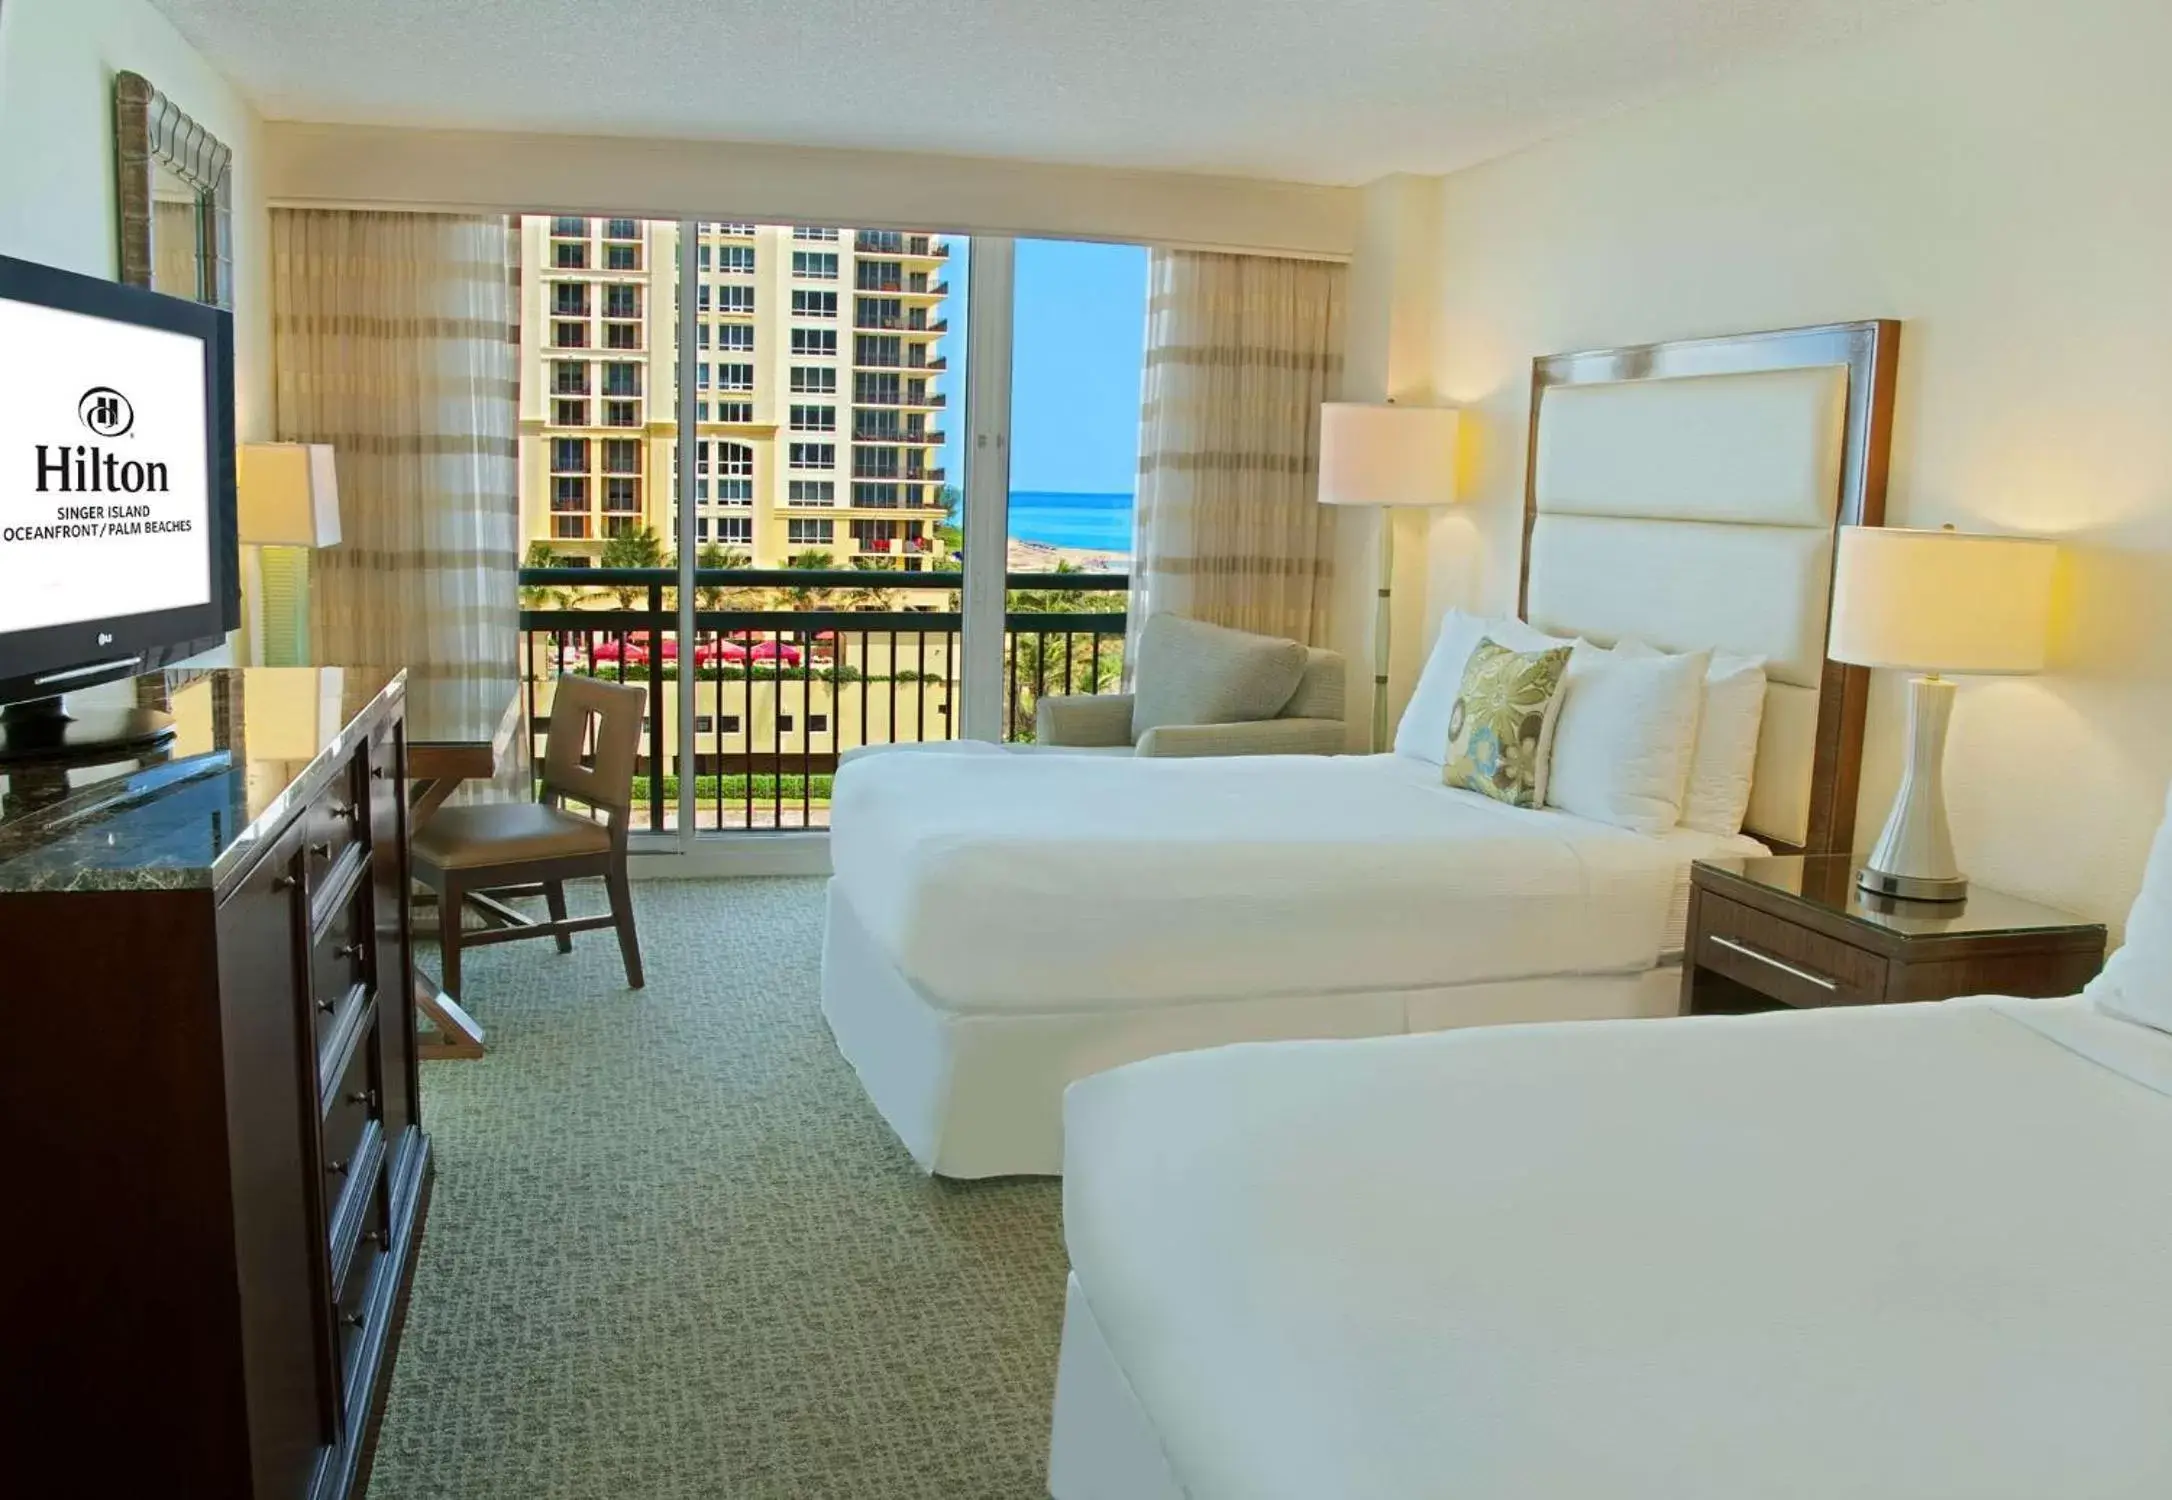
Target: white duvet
<point>1910,1253</point>
<point>1023,882</point>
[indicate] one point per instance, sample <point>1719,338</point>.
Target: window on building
<point>569,455</point>
<point>729,723</point>
<point>568,228</point>
<point>569,335</point>
<point>569,528</point>
<point>816,265</point>
<point>569,413</point>
<point>802,232</point>
<point>812,492</point>
<point>621,494</point>
<point>735,337</point>
<point>807,304</point>
<point>872,388</point>
<point>622,257</point>
<point>622,414</point>
<point>735,259</point>
<point>880,349</point>
<point>706,257</point>
<point>878,312</point>
<point>621,525</point>
<point>874,496</point>
<point>814,419</point>
<point>622,335</point>
<point>878,423</point>
<point>621,379</point>
<point>569,377</point>
<point>814,341</point>
<point>818,723</point>
<point>875,463</point>
<point>621,229</point>
<point>784,723</point>
<point>734,458</point>
<point>735,411</point>
<point>808,531</point>
<point>879,276</point>
<point>813,380</point>
<point>621,455</point>
<point>569,299</point>
<point>569,492</point>
<point>735,377</point>
<point>622,299</point>
<point>735,529</point>
<point>569,255</point>
<point>814,455</point>
<point>735,297</point>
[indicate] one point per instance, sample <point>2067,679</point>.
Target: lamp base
<point>1912,887</point>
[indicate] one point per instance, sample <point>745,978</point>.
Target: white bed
<point>1000,924</point>
<point>1890,1254</point>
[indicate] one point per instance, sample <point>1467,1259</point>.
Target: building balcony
<point>932,437</point>
<point>934,291</point>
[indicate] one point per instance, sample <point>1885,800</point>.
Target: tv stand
<point>41,731</point>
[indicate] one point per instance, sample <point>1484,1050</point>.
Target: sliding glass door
<point>766,471</point>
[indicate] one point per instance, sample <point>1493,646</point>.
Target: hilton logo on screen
<point>86,468</point>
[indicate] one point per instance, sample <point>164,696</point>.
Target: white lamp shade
<point>289,494</point>
<point>1387,455</point>
<point>1942,601</point>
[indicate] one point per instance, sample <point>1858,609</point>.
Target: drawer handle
<point>337,1168</point>
<point>374,1237</point>
<point>377,773</point>
<point>367,1098</point>
<point>284,882</point>
<point>320,851</point>
<point>1807,976</point>
<point>348,950</point>
<point>343,812</point>
<point>327,1006</point>
<point>352,1320</point>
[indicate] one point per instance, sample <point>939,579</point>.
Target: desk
<point>458,729</point>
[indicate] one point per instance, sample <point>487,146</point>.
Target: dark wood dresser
<point>208,1096</point>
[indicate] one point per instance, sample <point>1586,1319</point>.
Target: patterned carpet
<point>674,1252</point>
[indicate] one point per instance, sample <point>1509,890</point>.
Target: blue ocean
<point>1060,519</point>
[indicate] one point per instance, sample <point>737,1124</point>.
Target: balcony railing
<point>793,667</point>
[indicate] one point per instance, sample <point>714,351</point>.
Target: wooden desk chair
<point>595,735</point>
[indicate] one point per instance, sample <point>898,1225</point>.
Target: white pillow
<point>1422,732</point>
<point>1725,761</point>
<point>1628,727</point>
<point>2137,980</point>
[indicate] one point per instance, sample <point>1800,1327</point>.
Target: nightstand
<point>1793,931</point>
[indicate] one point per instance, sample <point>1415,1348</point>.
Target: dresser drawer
<point>349,1107</point>
<point>343,959</point>
<point>336,822</point>
<point>1793,965</point>
<point>360,1305</point>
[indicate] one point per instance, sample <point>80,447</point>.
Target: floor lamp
<point>289,504</point>
<point>1386,455</point>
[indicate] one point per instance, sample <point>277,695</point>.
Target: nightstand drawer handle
<point>1805,975</point>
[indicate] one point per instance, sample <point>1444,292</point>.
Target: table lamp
<point>289,503</point>
<point>1386,455</point>
<point>1932,602</point>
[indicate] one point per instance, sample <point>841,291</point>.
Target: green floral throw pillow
<point>1501,731</point>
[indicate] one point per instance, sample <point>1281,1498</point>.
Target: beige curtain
<point>395,341</point>
<point>1240,352</point>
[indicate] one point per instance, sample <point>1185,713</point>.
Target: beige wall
<point>57,61</point>
<point>470,171</point>
<point>1991,174</point>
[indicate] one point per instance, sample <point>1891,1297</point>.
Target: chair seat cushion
<point>1190,672</point>
<point>499,833</point>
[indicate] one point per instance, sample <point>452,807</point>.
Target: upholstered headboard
<point>1688,494</point>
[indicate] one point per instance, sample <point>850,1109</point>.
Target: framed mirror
<point>175,182</point>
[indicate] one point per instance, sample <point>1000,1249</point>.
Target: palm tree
<point>717,559</point>
<point>635,548</point>
<point>870,595</point>
<point>808,597</point>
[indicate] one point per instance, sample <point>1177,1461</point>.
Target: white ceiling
<point>1335,91</point>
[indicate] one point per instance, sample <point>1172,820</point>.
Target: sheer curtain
<point>1240,352</point>
<point>395,340</point>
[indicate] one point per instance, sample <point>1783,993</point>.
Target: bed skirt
<point>1102,1446</point>
<point>977,1094</point>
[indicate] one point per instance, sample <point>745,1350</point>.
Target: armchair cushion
<point>1189,672</point>
<point>1083,720</point>
<point>1263,737</point>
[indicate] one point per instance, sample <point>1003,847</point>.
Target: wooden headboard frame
<point>1871,352</point>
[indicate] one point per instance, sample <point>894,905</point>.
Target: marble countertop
<point>251,746</point>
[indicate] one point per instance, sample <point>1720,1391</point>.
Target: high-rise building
<point>816,402</point>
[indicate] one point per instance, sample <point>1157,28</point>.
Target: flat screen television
<point>117,504</point>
